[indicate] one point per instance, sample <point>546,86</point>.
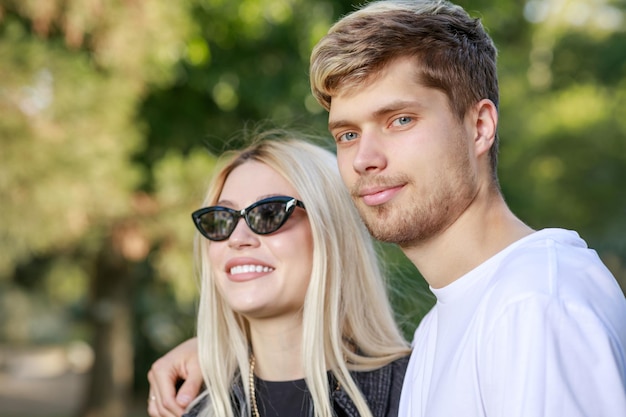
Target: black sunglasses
<point>263,217</point>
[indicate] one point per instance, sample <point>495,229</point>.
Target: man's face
<point>407,160</point>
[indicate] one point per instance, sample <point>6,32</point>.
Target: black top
<point>381,388</point>
<point>281,398</point>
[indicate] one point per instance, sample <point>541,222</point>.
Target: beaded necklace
<point>255,409</point>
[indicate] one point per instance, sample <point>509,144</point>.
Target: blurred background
<point>111,112</point>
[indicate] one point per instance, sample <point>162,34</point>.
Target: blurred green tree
<point>73,75</point>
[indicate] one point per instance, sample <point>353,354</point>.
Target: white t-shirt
<point>538,330</point>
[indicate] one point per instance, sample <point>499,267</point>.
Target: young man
<point>527,323</point>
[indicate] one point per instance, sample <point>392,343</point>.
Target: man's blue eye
<point>401,121</point>
<point>347,137</point>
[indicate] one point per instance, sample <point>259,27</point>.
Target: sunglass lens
<point>268,217</point>
<point>217,224</point>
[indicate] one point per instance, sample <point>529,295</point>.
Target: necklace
<point>255,409</point>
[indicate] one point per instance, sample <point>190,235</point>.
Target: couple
<point>527,323</point>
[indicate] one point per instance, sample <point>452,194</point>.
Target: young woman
<point>294,318</point>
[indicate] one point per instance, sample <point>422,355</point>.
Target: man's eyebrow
<point>391,107</point>
<point>336,124</point>
<point>397,105</point>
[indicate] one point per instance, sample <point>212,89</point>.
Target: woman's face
<point>262,276</point>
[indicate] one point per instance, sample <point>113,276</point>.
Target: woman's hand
<point>179,364</point>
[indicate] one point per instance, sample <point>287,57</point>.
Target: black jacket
<point>381,389</point>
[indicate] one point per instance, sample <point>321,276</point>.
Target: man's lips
<point>375,196</point>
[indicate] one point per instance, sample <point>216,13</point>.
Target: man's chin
<point>381,224</point>
<point>382,229</point>
<point>387,237</point>
<point>386,229</point>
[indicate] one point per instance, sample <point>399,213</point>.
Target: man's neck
<point>484,229</point>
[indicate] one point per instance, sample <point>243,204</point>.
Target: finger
<point>166,372</point>
<point>161,402</point>
<point>190,388</point>
<point>152,406</point>
<point>154,409</point>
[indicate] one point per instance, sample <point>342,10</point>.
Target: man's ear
<point>486,124</point>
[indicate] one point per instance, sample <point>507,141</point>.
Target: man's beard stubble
<point>405,226</point>
<point>418,216</point>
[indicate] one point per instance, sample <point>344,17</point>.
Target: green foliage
<point>180,182</point>
<point>247,61</point>
<point>408,292</point>
<point>63,148</point>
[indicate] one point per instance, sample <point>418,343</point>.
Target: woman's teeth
<point>243,269</point>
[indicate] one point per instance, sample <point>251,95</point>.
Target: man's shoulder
<point>550,262</point>
<point>554,272</point>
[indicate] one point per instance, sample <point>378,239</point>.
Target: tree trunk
<point>110,387</point>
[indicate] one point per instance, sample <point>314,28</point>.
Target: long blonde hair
<point>348,323</point>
